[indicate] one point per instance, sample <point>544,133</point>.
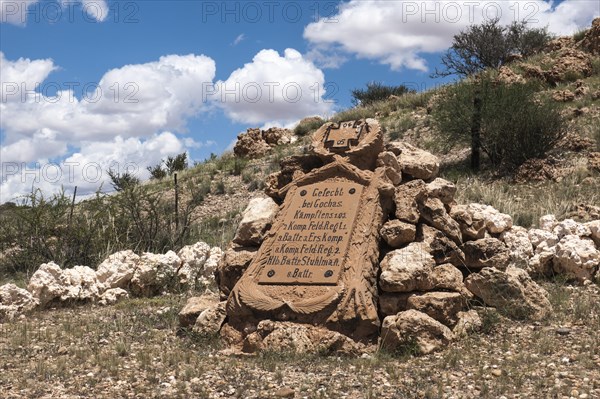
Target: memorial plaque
<point>311,245</point>
<point>319,261</point>
<point>344,135</point>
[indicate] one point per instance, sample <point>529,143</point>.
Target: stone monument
<point>319,261</point>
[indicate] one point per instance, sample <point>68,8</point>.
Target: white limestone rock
<point>256,221</point>
<point>155,273</point>
<point>112,296</point>
<point>15,301</point>
<point>495,221</point>
<point>577,258</point>
<point>117,270</point>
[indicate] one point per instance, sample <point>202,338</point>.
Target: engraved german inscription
<point>311,245</point>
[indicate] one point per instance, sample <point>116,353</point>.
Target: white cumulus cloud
<point>123,118</point>
<point>273,89</point>
<point>130,101</point>
<point>87,168</point>
<point>398,33</point>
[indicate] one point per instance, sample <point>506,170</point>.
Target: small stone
<point>496,372</point>
<point>563,331</point>
<point>285,393</point>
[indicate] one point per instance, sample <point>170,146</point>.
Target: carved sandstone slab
<point>357,142</point>
<point>318,263</point>
<point>312,242</point>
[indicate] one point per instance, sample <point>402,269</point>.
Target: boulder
<point>468,323</point>
<point>571,227</point>
<point>519,246</point>
<point>393,170</point>
<point>548,222</point>
<point>594,227</point>
<point>80,284</point>
<point>15,301</point>
<point>569,61</point>
<point>50,283</point>
<point>443,249</point>
<point>434,214</point>
<point>46,283</point>
<point>407,197</point>
<point>486,252</point>
<point>397,233</point>
<point>560,43</point>
<point>233,264</point>
<point>112,296</point>
<point>391,303</point>
<point>448,277</point>
<point>442,190</point>
<point>591,40</point>
<point>511,291</point>
<point>563,96</point>
<point>211,264</point>
<point>472,224</point>
<point>256,221</point>
<point>414,162</point>
<point>540,263</point>
<point>407,269</point>
<point>117,270</point>
<point>495,221</point>
<point>299,338</point>
<point>576,257</point>
<point>414,330</point>
<point>251,144</point>
<point>441,306</point>
<point>275,136</point>
<point>508,77</point>
<point>194,306</point>
<point>155,273</point>
<point>193,256</point>
<point>198,264</point>
<point>537,236</point>
<point>211,319</point>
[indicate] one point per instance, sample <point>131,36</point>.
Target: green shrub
<point>376,91</point>
<point>219,187</point>
<point>123,181</point>
<point>308,125</point>
<point>580,34</point>
<point>41,229</point>
<point>239,164</point>
<point>157,172</point>
<point>516,123</point>
<point>177,163</point>
<point>490,45</point>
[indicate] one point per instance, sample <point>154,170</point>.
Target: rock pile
<point>591,40</point>
<point>438,258</point>
<point>120,275</point>
<point>255,143</point>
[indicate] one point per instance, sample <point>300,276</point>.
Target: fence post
<point>176,202</point>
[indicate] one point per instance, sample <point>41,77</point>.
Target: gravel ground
<point>134,350</point>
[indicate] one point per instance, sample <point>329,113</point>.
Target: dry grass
<point>526,203</point>
<point>133,349</point>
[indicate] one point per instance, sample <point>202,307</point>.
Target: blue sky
<point>93,83</point>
